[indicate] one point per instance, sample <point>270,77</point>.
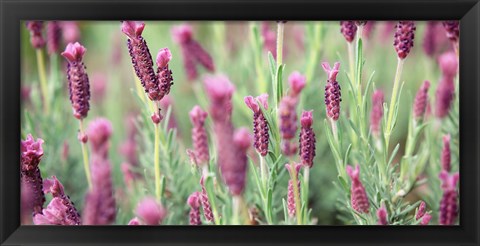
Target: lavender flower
<point>68,212</point>
<point>100,205</point>
<point>26,203</point>
<point>235,174</point>
<point>134,222</point>
<point>421,210</point>
<point>194,203</point>
<point>421,99</point>
<point>99,87</point>
<point>192,51</point>
<point>269,39</point>
<point>99,132</point>
<point>444,97</point>
<point>452,29</point>
<point>207,209</point>
<point>382,215</point>
<point>78,84</point>
<point>377,112</point>
<point>430,41</point>
<point>348,29</point>
<point>403,38</point>
<point>56,213</point>
<point>31,153</point>
<point>141,58</point>
<point>297,82</point>
<point>164,74</point>
<point>219,89</point>
<point>260,124</point>
<point>54,33</point>
<point>448,204</point>
<point>36,37</point>
<point>288,124</point>
<point>150,211</point>
<point>333,96</point>
<point>199,135</point>
<point>359,198</point>
<point>70,31</point>
<point>426,219</point>
<point>448,64</point>
<point>294,167</point>
<point>307,139</point>
<point>446,154</point>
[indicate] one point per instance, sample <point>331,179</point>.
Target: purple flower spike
<point>69,212</point>
<point>453,30</point>
<point>382,215</point>
<point>333,95</point>
<point>219,90</point>
<point>446,154</point>
<point>151,212</point>
<point>194,203</point>
<point>348,29</point>
<point>260,125</point>
<point>307,139</point>
<point>359,198</point>
<point>444,97</point>
<point>421,210</point>
<point>421,100</point>
<point>403,39</point>
<point>199,135</point>
<point>31,153</point>
<point>164,74</point>
<point>54,33</point>
<point>192,51</point>
<point>426,219</point>
<point>56,213</point>
<point>448,204</point>
<point>78,84</point>
<point>297,83</point>
<point>288,123</point>
<point>234,175</point>
<point>377,112</point>
<point>36,37</point>
<point>291,193</point>
<point>99,132</point>
<point>448,64</point>
<point>269,39</point>
<point>100,205</point>
<point>430,41</point>
<point>207,209</point>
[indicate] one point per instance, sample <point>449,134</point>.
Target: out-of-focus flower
<point>99,87</point>
<point>219,90</point>
<point>452,29</point>
<point>78,83</point>
<point>54,34</point>
<point>297,82</point>
<point>150,211</point>
<point>70,31</point>
<point>368,29</point>
<point>199,135</point>
<point>446,154</point>
<point>207,209</point>
<point>403,38</point>
<point>293,169</point>
<point>333,95</point>
<point>269,39</point>
<point>67,211</point>
<point>430,41</point>
<point>449,202</point>
<point>134,222</point>
<point>56,213</point>
<point>382,215</point>
<point>194,203</point>
<point>31,153</point>
<point>307,139</point>
<point>288,124</point>
<point>348,29</point>
<point>36,36</point>
<point>99,132</point>
<point>421,210</point>
<point>359,198</point>
<point>421,100</point>
<point>260,125</point>
<point>448,64</point>
<point>444,97</point>
<point>377,112</point>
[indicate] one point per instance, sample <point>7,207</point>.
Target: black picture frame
<point>13,11</point>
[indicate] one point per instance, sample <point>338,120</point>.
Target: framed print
<point>269,122</point>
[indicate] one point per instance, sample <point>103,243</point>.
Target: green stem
<point>157,162</point>
<point>280,30</point>
<point>351,60</point>
<point>306,179</point>
<point>393,100</point>
<point>86,165</point>
<point>43,80</point>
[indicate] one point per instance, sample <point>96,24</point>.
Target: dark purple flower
<point>78,84</point>
<point>382,215</point>
<point>70,215</point>
<point>359,198</point>
<point>430,41</point>
<point>150,211</point>
<point>421,100</point>
<point>194,203</point>
<point>99,132</point>
<point>54,34</point>
<point>452,29</point>
<point>207,209</point>
<point>307,139</point>
<point>260,124</point>
<point>333,95</point>
<point>444,97</point>
<point>403,38</point>
<point>99,87</point>
<point>377,112</point>
<point>31,153</point>
<point>449,202</point>
<point>36,36</point>
<point>293,167</point>
<point>348,29</point>
<point>446,154</point>
<point>199,135</point>
<point>164,74</point>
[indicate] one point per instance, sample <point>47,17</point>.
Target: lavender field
<point>240,123</point>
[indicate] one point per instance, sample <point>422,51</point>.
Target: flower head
<point>359,198</point>
<point>430,41</point>
<point>421,100</point>
<point>382,215</point>
<point>234,173</point>
<point>70,31</point>
<point>421,210</point>
<point>293,170</point>
<point>194,203</point>
<point>182,33</point>
<point>36,37</point>
<point>377,111</point>
<point>333,95</point>
<point>150,211</point>
<point>134,222</point>
<point>207,209</point>
<point>348,29</point>
<point>99,132</point>
<point>307,139</point>
<point>54,33</point>
<point>288,123</point>
<point>448,64</point>
<point>444,97</point>
<point>403,39</point>
<point>56,213</point>
<point>446,154</point>
<point>74,52</point>
<point>68,212</point>
<point>31,152</point>
<point>260,125</point>
<point>297,83</point>
<point>164,74</point>
<point>449,201</point>
<point>219,89</point>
